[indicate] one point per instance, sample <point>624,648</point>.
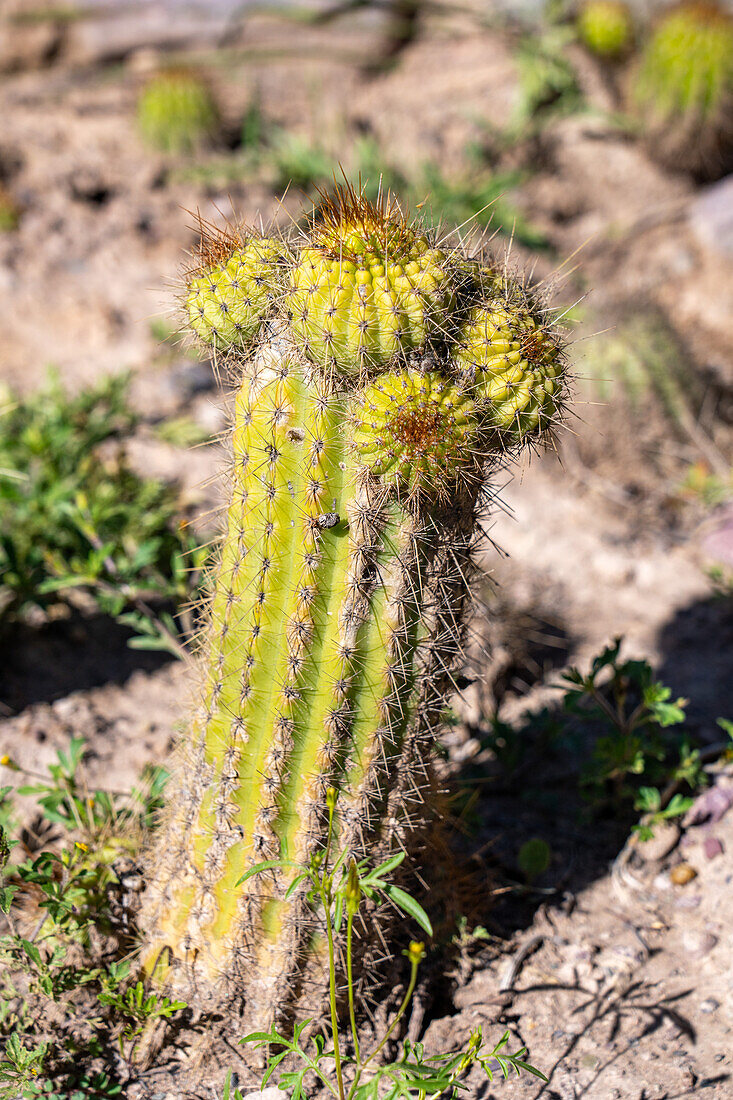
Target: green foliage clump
<point>68,1005</point>
<point>605,27</point>
<point>176,112</point>
<point>683,88</point>
<point>74,516</point>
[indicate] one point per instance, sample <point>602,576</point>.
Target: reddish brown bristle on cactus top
<point>216,244</point>
<point>349,223</point>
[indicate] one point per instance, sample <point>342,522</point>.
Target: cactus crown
<point>349,224</point>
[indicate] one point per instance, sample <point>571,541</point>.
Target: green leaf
<point>407,904</point>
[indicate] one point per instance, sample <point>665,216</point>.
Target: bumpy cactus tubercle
<point>368,288</point>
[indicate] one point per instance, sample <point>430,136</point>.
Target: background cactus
<point>605,27</point>
<point>176,112</point>
<point>337,612</point>
<point>683,89</point>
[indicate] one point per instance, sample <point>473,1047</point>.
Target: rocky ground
<point>616,978</point>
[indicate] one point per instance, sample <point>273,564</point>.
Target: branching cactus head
<point>176,112</point>
<point>683,88</point>
<point>382,376</point>
<point>606,28</point>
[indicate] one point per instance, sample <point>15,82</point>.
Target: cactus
<point>683,89</point>
<point>510,360</point>
<point>229,286</point>
<point>176,112</point>
<point>605,28</point>
<point>336,617</point>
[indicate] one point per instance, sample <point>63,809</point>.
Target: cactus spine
<point>334,630</point>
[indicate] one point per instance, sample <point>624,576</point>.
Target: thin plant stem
<point>326,899</point>
<point>350,982</point>
<point>400,1013</point>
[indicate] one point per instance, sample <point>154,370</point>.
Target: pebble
<point>709,1005</point>
<point>682,874</point>
<point>698,943</point>
<point>712,847</point>
<point>265,1094</point>
<point>711,216</point>
<point>661,844</point>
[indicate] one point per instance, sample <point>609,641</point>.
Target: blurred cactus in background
<point>605,27</point>
<point>389,375</point>
<point>683,89</point>
<point>176,112</point>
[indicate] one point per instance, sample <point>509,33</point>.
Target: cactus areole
<point>382,381</point>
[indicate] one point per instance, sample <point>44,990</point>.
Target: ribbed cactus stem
<point>381,381</point>
<point>334,622</point>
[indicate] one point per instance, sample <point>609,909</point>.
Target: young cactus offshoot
<point>366,423</point>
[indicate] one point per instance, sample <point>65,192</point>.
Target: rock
<point>665,838</point>
<point>265,1094</point>
<point>697,943</point>
<point>711,216</point>
<point>710,1005</point>
<point>682,874</point>
<point>712,847</point>
<point>712,804</point>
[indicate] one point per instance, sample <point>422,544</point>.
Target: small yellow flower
<point>416,952</point>
<point>81,846</point>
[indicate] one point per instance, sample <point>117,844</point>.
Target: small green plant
<point>176,112</point>
<point>636,710</point>
<point>534,858</point>
<point>74,517</point>
<point>138,1007</point>
<point>548,83</point>
<point>59,904</point>
<point>9,211</point>
<point>339,1059</point>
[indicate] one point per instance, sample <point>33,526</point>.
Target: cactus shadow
<point>44,663</point>
<point>697,663</point>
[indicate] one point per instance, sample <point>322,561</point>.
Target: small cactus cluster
<point>381,377</point>
<point>683,88</point>
<point>176,112</point>
<point>606,28</point>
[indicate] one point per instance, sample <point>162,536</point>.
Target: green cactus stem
<point>337,614</point>
<point>606,28</point>
<point>230,286</point>
<point>683,89</point>
<point>510,360</point>
<point>368,287</point>
<point>176,112</point>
